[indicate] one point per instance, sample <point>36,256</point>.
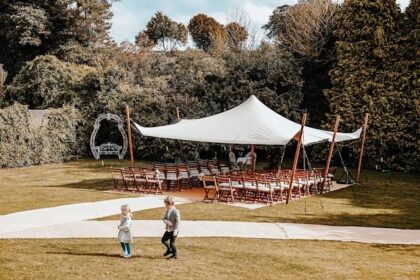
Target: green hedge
<point>24,144</point>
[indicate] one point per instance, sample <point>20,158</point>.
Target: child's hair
<point>169,201</point>
<point>128,209</point>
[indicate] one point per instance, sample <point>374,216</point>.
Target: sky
<point>131,16</point>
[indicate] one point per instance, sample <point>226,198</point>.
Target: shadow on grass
<point>108,255</point>
<point>90,184</point>
<point>396,248</point>
<point>390,200</point>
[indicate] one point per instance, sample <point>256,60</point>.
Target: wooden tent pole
<point>130,140</point>
<point>330,152</point>
<point>253,157</point>
<point>295,161</point>
<point>359,166</point>
<point>181,144</point>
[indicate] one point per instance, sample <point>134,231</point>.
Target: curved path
<point>70,221</point>
<point>152,228</point>
<point>63,214</point>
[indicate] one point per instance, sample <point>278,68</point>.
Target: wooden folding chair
<point>128,179</point>
<point>250,188</point>
<point>238,186</point>
<point>226,192</point>
<point>224,169</point>
<point>139,183</point>
<point>210,185</point>
<point>214,170</point>
<point>264,190</point>
<point>204,167</point>
<point>172,178</point>
<point>117,178</point>
<point>283,183</point>
<point>153,182</point>
<point>194,175</point>
<point>184,177</point>
<point>277,188</point>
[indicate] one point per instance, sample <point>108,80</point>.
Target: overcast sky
<point>131,16</point>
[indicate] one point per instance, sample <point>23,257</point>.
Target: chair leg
<point>216,194</point>
<point>206,194</point>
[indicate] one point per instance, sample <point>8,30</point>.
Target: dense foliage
<point>328,59</point>
<point>372,76</point>
<point>23,143</point>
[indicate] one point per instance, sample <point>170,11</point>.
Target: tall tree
<point>165,32</point>
<point>367,79</point>
<point>407,67</point>
<point>306,30</point>
<point>236,36</point>
<point>30,28</point>
<point>207,33</point>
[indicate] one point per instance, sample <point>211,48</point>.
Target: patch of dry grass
<point>383,200</point>
<point>211,258</point>
<point>55,184</point>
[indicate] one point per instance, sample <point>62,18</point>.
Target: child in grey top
<point>171,220</point>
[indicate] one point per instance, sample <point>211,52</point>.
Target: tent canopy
<point>249,123</point>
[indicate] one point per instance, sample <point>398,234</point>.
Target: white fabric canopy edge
<point>249,123</point>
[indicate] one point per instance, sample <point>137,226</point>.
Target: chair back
<point>209,181</point>
<point>223,180</point>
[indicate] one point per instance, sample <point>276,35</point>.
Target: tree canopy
<point>164,32</point>
<point>207,34</point>
<point>327,59</point>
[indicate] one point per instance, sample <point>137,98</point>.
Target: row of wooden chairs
<point>137,180</point>
<point>207,167</point>
<point>258,187</point>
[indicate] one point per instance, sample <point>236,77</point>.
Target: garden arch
<point>108,148</point>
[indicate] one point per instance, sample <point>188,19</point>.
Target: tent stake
<point>130,140</point>
<point>330,152</point>
<point>296,158</point>
<point>181,144</point>
<point>359,166</point>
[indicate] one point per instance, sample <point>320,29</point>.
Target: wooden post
<point>330,152</point>
<point>295,161</point>
<point>359,166</point>
<point>130,140</point>
<point>253,157</point>
<point>181,144</point>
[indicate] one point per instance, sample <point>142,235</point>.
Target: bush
<point>23,143</point>
<point>46,82</point>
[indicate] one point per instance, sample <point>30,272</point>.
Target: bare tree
<point>305,28</point>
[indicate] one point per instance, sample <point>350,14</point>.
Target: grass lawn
<point>211,258</point>
<point>382,200</point>
<point>55,184</point>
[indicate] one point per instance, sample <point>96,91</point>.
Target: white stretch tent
<point>249,123</point>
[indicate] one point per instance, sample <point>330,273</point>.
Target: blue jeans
<point>126,247</point>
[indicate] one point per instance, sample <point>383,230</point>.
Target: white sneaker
<point>127,256</point>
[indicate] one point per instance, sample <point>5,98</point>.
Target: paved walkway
<point>77,212</point>
<point>72,221</point>
<point>148,228</point>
